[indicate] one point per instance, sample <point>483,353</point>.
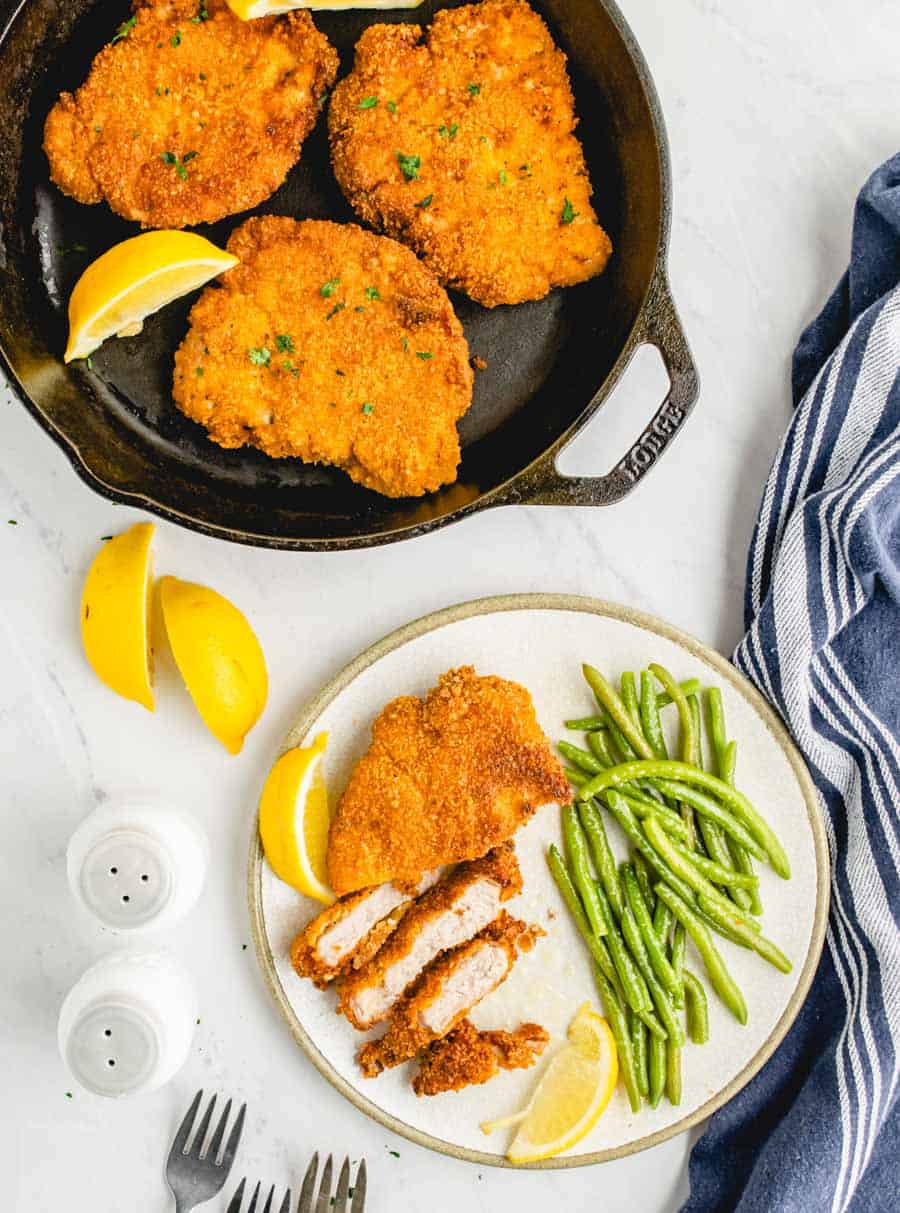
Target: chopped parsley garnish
<point>327,289</point>
<point>289,366</point>
<point>198,370</point>
<point>179,165</point>
<point>188,156</point>
<point>68,1094</point>
<point>409,166</point>
<point>568,212</point>
<point>372,292</point>
<point>202,15</point>
<point>176,38</point>
<point>392,107</point>
<point>341,373</point>
<point>359,308</point>
<point>405,344</point>
<point>501,176</point>
<point>367,408</point>
<point>394,1153</point>
<point>448,132</point>
<point>424,355</point>
<point>260,355</point>
<point>338,307</point>
<point>98,130</point>
<point>426,201</point>
<point>368,103</point>
<point>201,75</point>
<point>72,248</point>
<point>12,522</point>
<point>474,89</point>
<point>482,138</point>
<point>284,343</point>
<point>124,30</point>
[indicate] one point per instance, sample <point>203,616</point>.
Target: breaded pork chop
<point>462,146</point>
<point>190,114</point>
<point>445,779</point>
<point>333,345</point>
<point>466,1057</point>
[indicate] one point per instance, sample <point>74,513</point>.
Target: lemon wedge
<point>572,1094</point>
<point>294,820</point>
<point>134,278</point>
<point>249,10</point>
<point>115,613</point>
<point>218,656</point>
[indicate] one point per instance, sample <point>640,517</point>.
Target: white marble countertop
<point>776,114</point>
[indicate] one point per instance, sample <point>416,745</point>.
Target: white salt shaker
<point>137,864</point>
<point>126,1026</point>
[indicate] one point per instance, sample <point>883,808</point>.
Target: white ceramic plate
<point>541,641</point>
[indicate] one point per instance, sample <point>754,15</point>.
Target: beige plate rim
<point>649,623</point>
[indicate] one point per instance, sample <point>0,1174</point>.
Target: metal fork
<point>197,1176</point>
<point>326,1203</point>
<point>236,1200</point>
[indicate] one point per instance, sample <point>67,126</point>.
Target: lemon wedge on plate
<point>572,1094</point>
<point>218,656</point>
<point>294,820</point>
<point>134,278</point>
<point>249,10</point>
<point>115,613</point>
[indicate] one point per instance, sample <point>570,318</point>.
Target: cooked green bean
<point>688,734</point>
<point>677,950</point>
<point>639,1050</point>
<point>579,758</point>
<point>715,716</point>
<point>642,868</point>
<point>628,691</point>
<point>697,1008</point>
<point>673,1073</point>
<point>598,744</point>
<point>705,806</point>
<point>750,938</point>
<point>618,713</point>
<point>587,724</point>
<point>716,872</point>
<point>736,801</point>
<point>638,907</point>
<point>719,847</point>
<point>580,868</point>
<point>656,1069</point>
<point>650,721</point>
<point>642,806</point>
<point>569,893</point>
<point>621,811</point>
<point>729,759</point>
<point>665,1006</point>
<point>739,854</point>
<point>576,778</point>
<point>604,861</point>
<point>634,988</point>
<point>615,1016</point>
<point>722,981</point>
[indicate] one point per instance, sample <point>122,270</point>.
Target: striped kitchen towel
<point>818,1129</point>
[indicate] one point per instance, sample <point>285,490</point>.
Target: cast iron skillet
<point>550,364</point>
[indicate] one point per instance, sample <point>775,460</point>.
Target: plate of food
<point>565,881</point>
<point>424,244</point>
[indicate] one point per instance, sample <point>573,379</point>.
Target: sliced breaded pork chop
<point>451,913</point>
<point>462,145</point>
<point>467,1057</point>
<point>190,114</point>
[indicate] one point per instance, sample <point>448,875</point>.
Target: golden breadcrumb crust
<point>467,1057</point>
<point>499,865</point>
<point>333,345</point>
<point>444,780</point>
<point>406,1035</point>
<point>305,959</point>
<point>462,146</point>
<point>190,114</point>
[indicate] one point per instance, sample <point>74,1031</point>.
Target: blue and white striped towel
<point>818,1129</point>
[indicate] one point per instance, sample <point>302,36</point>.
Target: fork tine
<point>213,1152</point>
<point>200,1135</point>
<point>286,1203</point>
<point>267,1207</point>
<point>358,1204</point>
<point>324,1201</point>
<point>309,1184</point>
<point>254,1199</point>
<point>234,1138</point>
<point>184,1129</point>
<point>340,1197</point>
<point>235,1206</point>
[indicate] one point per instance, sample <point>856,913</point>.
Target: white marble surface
<point>776,114</point>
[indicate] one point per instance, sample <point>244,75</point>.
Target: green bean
<point>722,981</point>
<point>665,1006</point>
<point>707,807</point>
<point>718,850</point>
<point>697,1008</point>
<point>576,778</point>
<point>634,988</point>
<point>638,907</point>
<point>742,860</point>
<point>715,716</point>
<point>677,950</point>
<point>639,1049</point>
<point>604,862</point>
<point>673,1073</point>
<point>622,813</point>
<point>580,869</point>
<point>688,734</point>
<point>650,716</point>
<point>662,921</point>
<point>719,927</point>
<point>719,847</point>
<point>569,893</point>
<point>587,724</point>
<point>642,869</point>
<point>736,801</point>
<point>729,760</point>
<point>642,807</point>
<point>598,744</point>
<point>618,1024</point>
<point>618,713</point>
<point>656,1069</point>
<point>628,691</point>
<point>716,872</point>
<point>750,938</point>
<point>580,758</point>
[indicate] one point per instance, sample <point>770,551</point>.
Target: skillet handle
<point>659,325</point>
